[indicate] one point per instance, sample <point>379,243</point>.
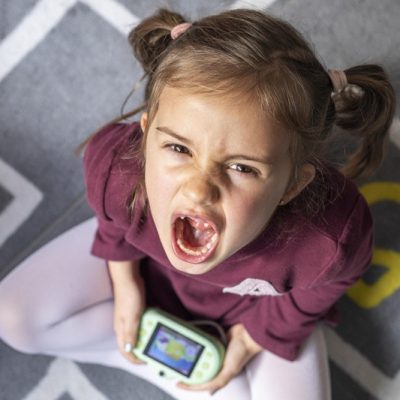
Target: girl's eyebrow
<point>170,132</point>
<point>261,160</point>
<point>243,157</point>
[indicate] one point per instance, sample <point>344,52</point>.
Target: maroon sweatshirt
<point>279,285</point>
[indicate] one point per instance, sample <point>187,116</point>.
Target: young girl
<point>217,205</point>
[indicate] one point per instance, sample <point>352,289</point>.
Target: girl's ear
<point>305,177</point>
<point>143,121</point>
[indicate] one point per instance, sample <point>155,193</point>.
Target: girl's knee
<point>18,328</point>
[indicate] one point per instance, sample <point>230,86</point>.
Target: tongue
<point>195,233</point>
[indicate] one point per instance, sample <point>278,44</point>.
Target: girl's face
<point>215,172</point>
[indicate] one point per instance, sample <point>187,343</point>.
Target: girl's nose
<point>200,190</point>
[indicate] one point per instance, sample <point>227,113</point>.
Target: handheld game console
<point>177,349</point>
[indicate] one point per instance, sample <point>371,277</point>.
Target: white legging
<point>59,302</point>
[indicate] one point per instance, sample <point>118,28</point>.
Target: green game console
<point>177,349</point>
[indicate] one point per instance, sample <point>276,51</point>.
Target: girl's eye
<point>178,148</point>
<point>244,169</point>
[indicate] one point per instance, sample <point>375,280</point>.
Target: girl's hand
<point>129,304</point>
<point>241,349</point>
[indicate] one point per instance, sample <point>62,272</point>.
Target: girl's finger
<point>126,349</point>
<point>212,386</point>
<point>128,343</point>
<point>128,353</point>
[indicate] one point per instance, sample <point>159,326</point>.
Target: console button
<point>205,365</point>
<point>199,374</point>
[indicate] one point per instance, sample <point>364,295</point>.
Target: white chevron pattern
<point>361,369</point>
<point>44,16</point>
<point>64,377</point>
<point>118,16</point>
<point>254,4</point>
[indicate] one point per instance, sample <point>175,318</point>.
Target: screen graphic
<point>173,350</point>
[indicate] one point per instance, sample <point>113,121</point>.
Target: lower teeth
<point>198,252</point>
<point>190,251</point>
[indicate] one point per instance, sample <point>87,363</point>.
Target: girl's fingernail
<point>128,347</point>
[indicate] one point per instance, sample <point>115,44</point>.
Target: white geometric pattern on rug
<point>361,369</point>
<point>44,16</point>
<point>64,377</point>
<point>117,15</point>
<point>254,4</point>
<point>26,197</point>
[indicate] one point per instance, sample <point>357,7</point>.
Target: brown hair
<point>253,54</point>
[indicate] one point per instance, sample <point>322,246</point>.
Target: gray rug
<point>66,67</point>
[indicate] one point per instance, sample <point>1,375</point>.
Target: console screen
<point>173,349</point>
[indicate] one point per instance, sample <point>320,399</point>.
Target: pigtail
<point>365,108</point>
<point>149,40</point>
<point>152,36</point>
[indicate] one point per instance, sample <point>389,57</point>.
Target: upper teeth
<point>195,222</point>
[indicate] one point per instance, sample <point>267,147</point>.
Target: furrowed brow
<point>183,139</point>
<point>170,132</point>
<point>243,157</point>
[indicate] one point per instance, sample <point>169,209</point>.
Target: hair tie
<point>338,79</point>
<point>340,83</point>
<point>177,30</point>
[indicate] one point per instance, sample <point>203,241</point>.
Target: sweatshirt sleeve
<point>109,181</point>
<point>281,324</point>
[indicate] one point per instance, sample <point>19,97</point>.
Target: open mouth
<point>195,239</point>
